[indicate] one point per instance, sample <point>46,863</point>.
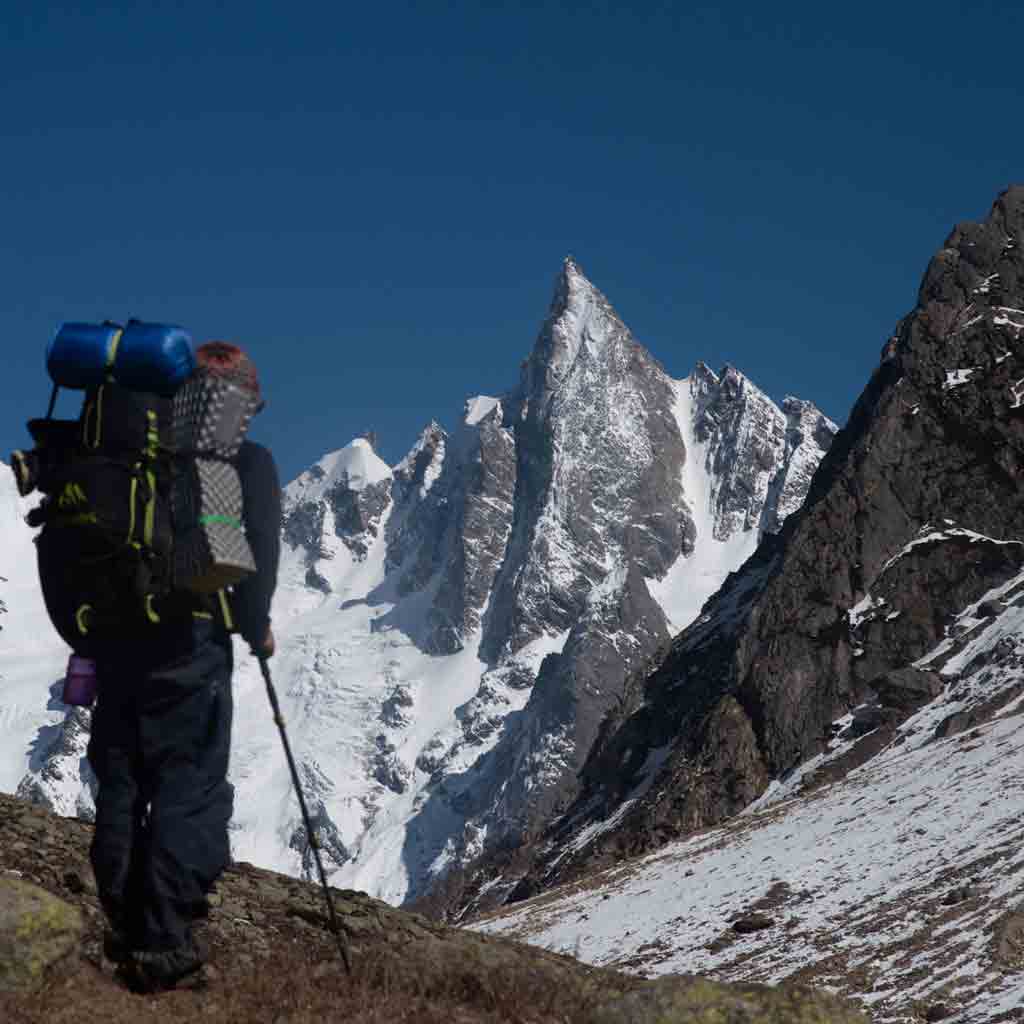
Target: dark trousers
<point>161,737</point>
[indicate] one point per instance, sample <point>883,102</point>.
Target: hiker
<point>161,738</point>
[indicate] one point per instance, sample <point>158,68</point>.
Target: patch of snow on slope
<point>929,535</point>
<point>692,579</point>
<point>479,408</point>
<point>954,378</point>
<point>863,878</point>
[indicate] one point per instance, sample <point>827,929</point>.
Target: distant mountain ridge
<point>453,630</point>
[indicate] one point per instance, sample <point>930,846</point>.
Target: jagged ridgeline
<point>454,629</point>
<point>913,514</point>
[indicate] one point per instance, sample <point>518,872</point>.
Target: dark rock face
<point>395,711</point>
<point>388,770</point>
<point>333,851</point>
<point>486,486</point>
<point>315,580</point>
<point>304,527</point>
<point>358,513</point>
<point>907,688</point>
<point>868,718</point>
<point>408,532</point>
<point>913,514</point>
<point>898,619</point>
<point>413,472</point>
<point>454,535</point>
<point>317,787</point>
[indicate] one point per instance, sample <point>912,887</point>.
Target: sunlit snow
<point>861,878</point>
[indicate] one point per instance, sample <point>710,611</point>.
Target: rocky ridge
<point>273,958</point>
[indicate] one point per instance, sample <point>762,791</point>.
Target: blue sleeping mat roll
<point>140,357</point>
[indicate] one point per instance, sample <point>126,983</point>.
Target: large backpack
<point>106,544</point>
<point>132,527</point>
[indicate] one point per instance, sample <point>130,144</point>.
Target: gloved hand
<point>267,648</point>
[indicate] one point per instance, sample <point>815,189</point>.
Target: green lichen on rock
<point>691,1000</point>
<point>36,931</point>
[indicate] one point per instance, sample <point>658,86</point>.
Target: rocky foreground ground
<point>273,958</point>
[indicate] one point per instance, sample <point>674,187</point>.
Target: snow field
<point>864,870</point>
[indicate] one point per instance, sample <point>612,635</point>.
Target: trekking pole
<point>314,842</point>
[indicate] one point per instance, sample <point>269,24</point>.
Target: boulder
<point>991,608</point>
<point>907,688</point>
<point>867,718</point>
<point>37,930</point>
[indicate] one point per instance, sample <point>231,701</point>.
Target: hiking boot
<point>116,947</point>
<point>156,972</point>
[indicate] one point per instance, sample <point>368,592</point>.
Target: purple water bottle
<point>80,682</point>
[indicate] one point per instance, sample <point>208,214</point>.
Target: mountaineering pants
<point>161,737</point>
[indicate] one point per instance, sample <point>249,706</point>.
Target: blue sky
<point>375,199</point>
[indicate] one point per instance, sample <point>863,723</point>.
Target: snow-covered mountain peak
<point>573,284</point>
<point>581,328</point>
<point>596,407</point>
<point>342,500</point>
<point>354,467</point>
<point>479,408</point>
